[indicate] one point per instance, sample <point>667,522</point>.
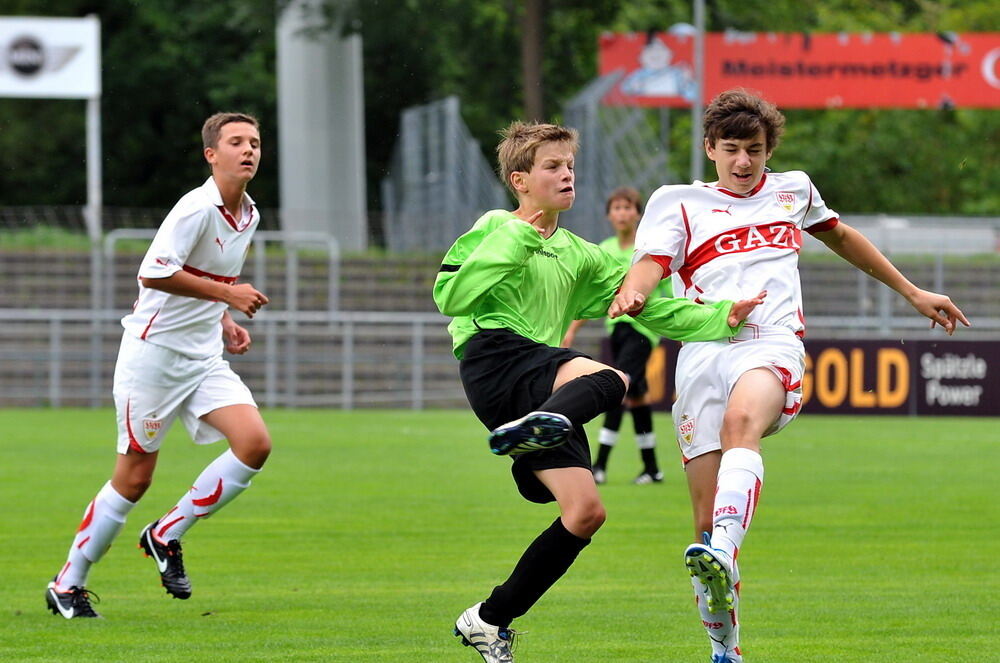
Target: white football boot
<point>492,642</point>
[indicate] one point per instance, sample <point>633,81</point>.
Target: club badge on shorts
<point>685,429</point>
<point>151,427</point>
<point>786,199</point>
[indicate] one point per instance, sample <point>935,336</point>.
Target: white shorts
<point>707,372</point>
<point>153,385</point>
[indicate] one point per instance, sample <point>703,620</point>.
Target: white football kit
<point>170,362</point>
<point>723,245</point>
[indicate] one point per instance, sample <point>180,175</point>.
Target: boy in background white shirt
<point>170,365</point>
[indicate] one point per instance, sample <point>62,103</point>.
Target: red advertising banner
<point>950,377</point>
<point>800,70</point>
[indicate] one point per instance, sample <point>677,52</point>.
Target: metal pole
<point>55,363</point>
<point>697,150</point>
<point>93,218</point>
<point>270,362</point>
<point>347,378</point>
<point>417,366</point>
<point>291,359</point>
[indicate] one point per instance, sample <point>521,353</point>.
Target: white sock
<point>741,475</point>
<point>723,628</point>
<point>102,520</point>
<point>608,437</point>
<point>217,485</point>
<point>646,440</point>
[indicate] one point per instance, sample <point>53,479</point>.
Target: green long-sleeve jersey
<point>503,274</point>
<point>624,258</point>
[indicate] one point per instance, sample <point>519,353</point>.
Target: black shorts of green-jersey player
<point>505,376</point>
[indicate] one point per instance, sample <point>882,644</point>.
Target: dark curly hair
<point>739,114</point>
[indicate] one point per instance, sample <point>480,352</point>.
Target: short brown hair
<point>520,141</point>
<point>212,129</point>
<point>739,114</point>
<point>627,194</point>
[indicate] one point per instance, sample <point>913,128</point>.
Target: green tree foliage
<point>169,63</point>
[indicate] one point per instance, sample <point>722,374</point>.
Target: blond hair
<point>519,143</point>
<point>739,114</point>
<point>212,129</point>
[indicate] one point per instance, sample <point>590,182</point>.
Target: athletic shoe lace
<point>81,601</point>
<point>175,558</point>
<point>510,636</point>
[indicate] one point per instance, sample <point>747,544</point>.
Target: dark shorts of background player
<point>506,376</point>
<point>630,351</point>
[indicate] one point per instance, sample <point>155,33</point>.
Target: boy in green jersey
<point>631,346</point>
<point>513,283</point>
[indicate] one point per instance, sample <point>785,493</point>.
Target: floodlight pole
<point>697,149</point>
<point>92,216</point>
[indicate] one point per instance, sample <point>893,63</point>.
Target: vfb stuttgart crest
<point>786,199</point>
<point>685,429</point>
<point>151,427</point>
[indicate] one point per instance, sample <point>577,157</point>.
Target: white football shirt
<point>201,237</point>
<point>726,245</point>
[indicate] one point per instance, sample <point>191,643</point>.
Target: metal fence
<point>439,181</point>
<point>620,146</point>
<point>290,244</point>
<point>338,359</point>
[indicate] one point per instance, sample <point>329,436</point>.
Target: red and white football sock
<point>723,628</point>
<point>102,520</point>
<point>741,475</point>
<point>217,485</point>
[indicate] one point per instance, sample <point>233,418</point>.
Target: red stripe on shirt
<point>232,221</point>
<point>208,275</point>
<point>758,187</point>
<point>687,244</point>
<point>663,262</point>
<point>778,235</point>
<point>146,330</point>
<point>823,226</point>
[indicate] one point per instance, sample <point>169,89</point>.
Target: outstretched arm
<point>641,279</point>
<point>856,249</point>
<point>684,320</point>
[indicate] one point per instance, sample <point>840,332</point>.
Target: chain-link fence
<point>439,181</point>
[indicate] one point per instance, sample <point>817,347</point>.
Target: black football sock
<point>542,564</point>
<point>649,461</point>
<point>587,396</point>
<point>603,452</point>
<point>642,419</point>
<point>613,419</point>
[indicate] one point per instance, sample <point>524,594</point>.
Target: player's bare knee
<point>736,423</point>
<point>584,520</point>
<point>132,486</point>
<point>252,450</point>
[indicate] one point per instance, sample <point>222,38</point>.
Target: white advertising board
<point>53,58</point>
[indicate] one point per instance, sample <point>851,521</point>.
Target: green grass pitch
<point>370,531</point>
